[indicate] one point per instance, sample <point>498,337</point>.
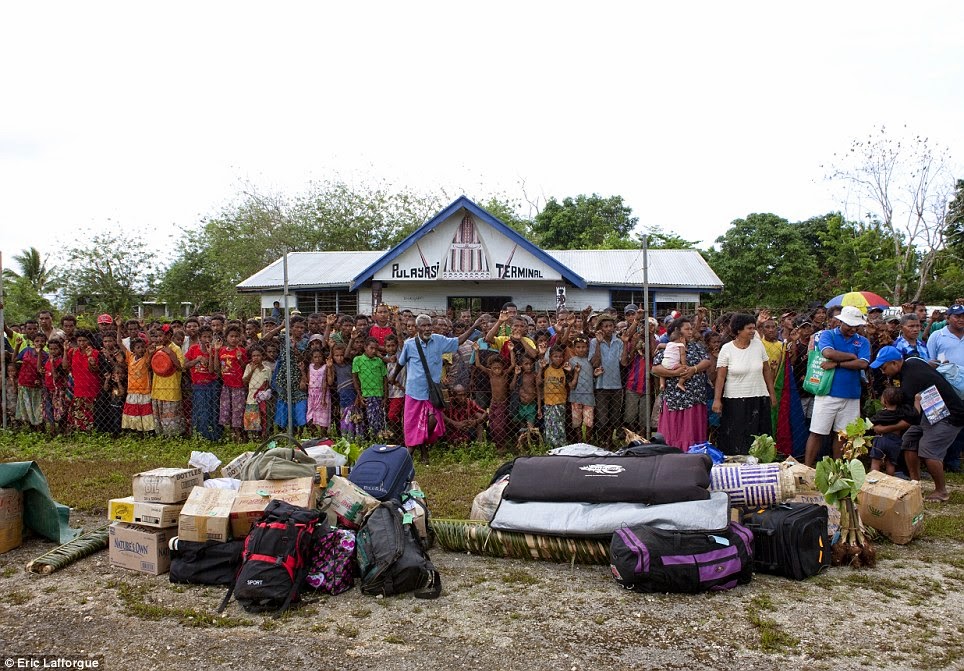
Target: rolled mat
<point>476,536</point>
<point>753,484</point>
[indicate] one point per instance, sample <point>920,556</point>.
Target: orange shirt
<point>138,375</point>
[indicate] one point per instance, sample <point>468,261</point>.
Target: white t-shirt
<point>744,370</point>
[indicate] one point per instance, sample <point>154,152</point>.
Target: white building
<point>465,257</point>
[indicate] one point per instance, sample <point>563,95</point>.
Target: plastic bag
<point>817,380</point>
<point>709,450</point>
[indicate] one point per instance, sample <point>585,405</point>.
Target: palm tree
<point>33,270</point>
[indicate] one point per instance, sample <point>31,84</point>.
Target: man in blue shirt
<point>909,342</point>
<point>847,354</point>
<point>947,344</point>
<point>423,423</point>
<point>606,355</point>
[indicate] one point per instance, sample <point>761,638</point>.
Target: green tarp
<point>41,513</point>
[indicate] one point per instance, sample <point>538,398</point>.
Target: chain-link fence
<point>337,375</point>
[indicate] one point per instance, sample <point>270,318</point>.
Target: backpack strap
<point>432,589</point>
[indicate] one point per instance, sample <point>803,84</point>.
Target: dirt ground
<point>505,614</point>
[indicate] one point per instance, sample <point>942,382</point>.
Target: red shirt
<point>379,333</point>
<point>200,374</point>
<point>54,375</point>
<point>28,375</point>
<point>86,381</point>
<point>233,362</point>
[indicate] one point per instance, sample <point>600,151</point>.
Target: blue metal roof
<point>462,202</point>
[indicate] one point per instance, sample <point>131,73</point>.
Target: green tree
<point>850,256</point>
<point>21,301</point>
<point>109,273</point>
<point>507,210</point>
<point>764,260</point>
<point>583,222</point>
<point>258,229</point>
<point>660,239</point>
<point>33,270</point>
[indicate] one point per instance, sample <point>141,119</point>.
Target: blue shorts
<point>886,445</point>
<point>300,417</point>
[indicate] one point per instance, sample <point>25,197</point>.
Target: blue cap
<point>955,310</point>
<point>886,355</point>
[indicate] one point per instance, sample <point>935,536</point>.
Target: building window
<point>619,299</point>
<point>478,304</point>
<point>327,302</point>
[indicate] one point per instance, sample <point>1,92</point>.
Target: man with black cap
<point>930,439</point>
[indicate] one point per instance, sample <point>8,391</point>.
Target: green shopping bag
<point>818,380</point>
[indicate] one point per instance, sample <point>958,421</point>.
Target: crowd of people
<point>566,377</point>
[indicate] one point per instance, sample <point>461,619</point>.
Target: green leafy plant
<point>840,480</point>
<point>349,450</point>
<point>764,448</point>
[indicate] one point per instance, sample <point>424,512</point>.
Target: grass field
<point>85,471</point>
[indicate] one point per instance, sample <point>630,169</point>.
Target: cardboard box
<point>11,519</point>
<point>254,496</point>
<point>206,515</point>
<point>233,468</point>
<point>166,485</point>
<point>161,515</point>
<point>139,548</point>
<point>346,504</point>
<point>892,506</point>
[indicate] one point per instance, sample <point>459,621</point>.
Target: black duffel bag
<point>209,563</point>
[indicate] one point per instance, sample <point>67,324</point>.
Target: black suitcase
<point>790,539</point>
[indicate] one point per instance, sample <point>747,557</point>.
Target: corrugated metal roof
<point>606,267</point>
<point>617,267</point>
<point>312,269</point>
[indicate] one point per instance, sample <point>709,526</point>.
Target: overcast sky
<point>152,115</point>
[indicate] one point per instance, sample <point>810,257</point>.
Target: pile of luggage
<point>671,521</point>
<point>291,522</point>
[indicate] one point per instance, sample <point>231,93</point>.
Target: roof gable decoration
<point>464,242</point>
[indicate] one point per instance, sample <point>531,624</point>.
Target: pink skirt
<point>683,428</point>
<point>416,422</point>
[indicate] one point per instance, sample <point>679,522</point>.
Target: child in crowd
<point>889,426</point>
<point>525,380</point>
<point>396,390</point>
<point>582,398</point>
<point>30,365</point>
<point>498,376</point>
<point>115,390</point>
<point>315,382</point>
<point>257,379</point>
<point>83,364</point>
<point>10,410</point>
<point>167,361</point>
<point>230,362</point>
<point>556,383</point>
<point>205,386</point>
<point>371,381</point>
<point>56,403</point>
<point>137,415</point>
<point>675,355</point>
<point>349,401</point>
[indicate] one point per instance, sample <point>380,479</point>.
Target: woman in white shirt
<point>744,388</point>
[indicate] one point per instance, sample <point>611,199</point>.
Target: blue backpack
<point>384,471</point>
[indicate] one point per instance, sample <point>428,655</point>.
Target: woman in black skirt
<point>744,388</point>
